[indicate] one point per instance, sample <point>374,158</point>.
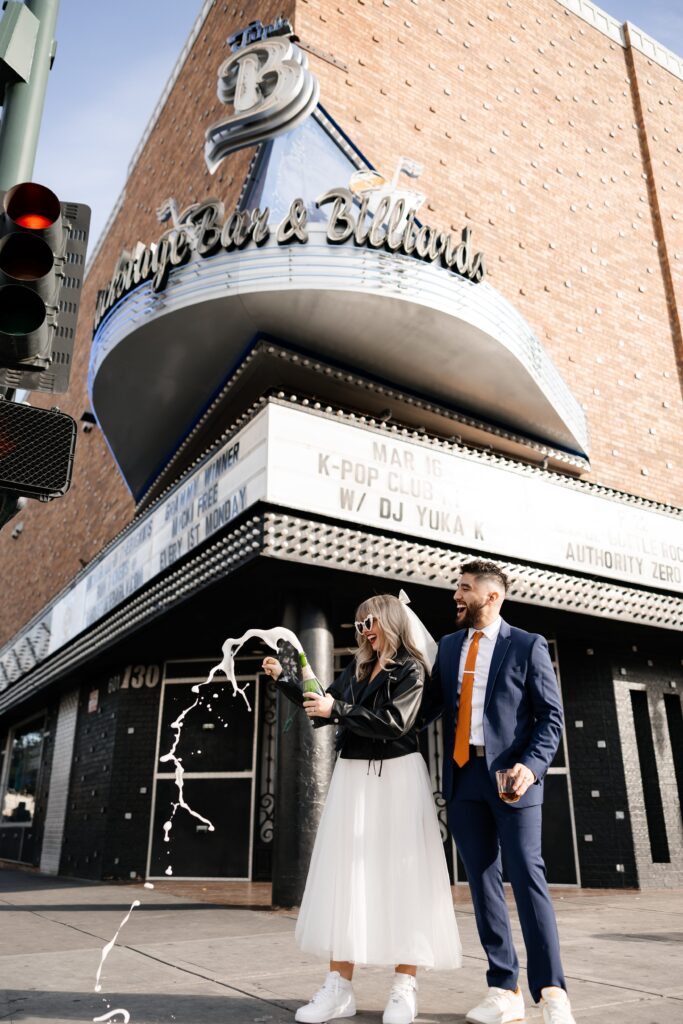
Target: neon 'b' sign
<point>271,90</point>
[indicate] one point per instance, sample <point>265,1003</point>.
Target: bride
<point>377,890</point>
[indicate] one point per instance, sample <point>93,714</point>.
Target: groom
<point>502,710</point>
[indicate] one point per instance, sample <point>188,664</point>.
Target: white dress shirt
<point>481,675</point>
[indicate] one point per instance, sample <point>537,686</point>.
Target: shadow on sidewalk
<point>14,881</point>
<point>157,1008</point>
<point>45,908</point>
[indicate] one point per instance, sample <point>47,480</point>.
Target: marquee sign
<point>204,229</point>
<point>224,487</point>
<point>361,475</point>
<point>312,462</point>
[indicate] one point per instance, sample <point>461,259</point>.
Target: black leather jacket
<point>377,720</point>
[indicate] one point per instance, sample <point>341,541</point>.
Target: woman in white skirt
<point>377,890</point>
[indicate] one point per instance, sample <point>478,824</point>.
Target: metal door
<point>217,748</point>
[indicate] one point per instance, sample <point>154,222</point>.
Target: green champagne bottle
<point>311,684</point>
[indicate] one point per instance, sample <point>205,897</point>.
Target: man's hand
<point>317,706</point>
<point>523,778</point>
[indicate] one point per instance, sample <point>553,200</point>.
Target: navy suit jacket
<point>522,708</point>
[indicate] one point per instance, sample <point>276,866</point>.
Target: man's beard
<point>470,617</point>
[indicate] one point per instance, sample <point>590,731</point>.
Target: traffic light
<point>42,260</point>
<point>36,450</point>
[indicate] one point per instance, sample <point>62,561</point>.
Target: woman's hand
<point>272,667</point>
<point>318,706</point>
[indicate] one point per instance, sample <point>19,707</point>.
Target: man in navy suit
<point>501,711</point>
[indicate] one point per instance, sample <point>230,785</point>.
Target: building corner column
<point>304,759</point>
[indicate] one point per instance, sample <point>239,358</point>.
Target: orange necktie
<point>461,751</point>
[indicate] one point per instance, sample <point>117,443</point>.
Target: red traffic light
<point>33,238</point>
<point>32,206</point>
<point>34,221</point>
<point>42,260</point>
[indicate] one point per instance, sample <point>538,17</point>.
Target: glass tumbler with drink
<point>506,786</point>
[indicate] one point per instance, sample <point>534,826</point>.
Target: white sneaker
<point>501,1006</point>
<point>402,1005</point>
<point>335,999</point>
<point>556,1006</point>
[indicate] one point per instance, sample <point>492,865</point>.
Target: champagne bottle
<point>311,684</point>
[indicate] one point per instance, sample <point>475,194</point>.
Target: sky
<point>113,60</point>
<point>661,19</point>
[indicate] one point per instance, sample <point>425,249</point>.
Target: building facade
<point>390,284</point>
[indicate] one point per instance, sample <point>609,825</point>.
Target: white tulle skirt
<point>377,890</point>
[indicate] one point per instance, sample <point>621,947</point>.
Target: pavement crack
<point>614,984</point>
<point>208,977</point>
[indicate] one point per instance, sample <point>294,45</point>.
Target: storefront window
<point>19,799</point>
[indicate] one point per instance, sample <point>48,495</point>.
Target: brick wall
<point>85,831</point>
<point>598,671</point>
<point>524,118</point>
<point>596,764</point>
<point>107,825</point>
<point>657,100</point>
<point>653,673</point>
<point>532,127</point>
<point>132,783</point>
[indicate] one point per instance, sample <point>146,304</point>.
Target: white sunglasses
<point>366,624</point>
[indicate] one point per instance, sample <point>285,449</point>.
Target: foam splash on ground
<point>110,945</point>
<point>105,953</point>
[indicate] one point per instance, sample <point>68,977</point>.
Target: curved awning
<point>157,359</point>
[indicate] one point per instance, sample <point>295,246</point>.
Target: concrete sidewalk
<point>182,959</point>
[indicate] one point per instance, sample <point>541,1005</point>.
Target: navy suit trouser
<point>482,825</point>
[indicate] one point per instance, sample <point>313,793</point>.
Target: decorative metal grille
<point>314,542</point>
<point>36,450</point>
<point>435,753</point>
<point>357,550</point>
<point>266,796</point>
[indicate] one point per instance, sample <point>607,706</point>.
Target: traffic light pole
<point>9,506</point>
<point>24,102</point>
<point>19,131</point>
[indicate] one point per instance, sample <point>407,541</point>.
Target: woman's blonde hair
<point>392,617</point>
